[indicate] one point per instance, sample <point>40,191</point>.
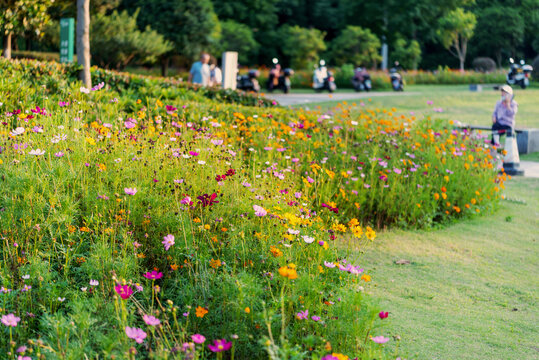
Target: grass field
<point>457,103</point>
<point>471,289</point>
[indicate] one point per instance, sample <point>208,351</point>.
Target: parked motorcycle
<point>249,81</point>
<point>519,74</point>
<point>361,81</point>
<point>323,79</point>
<point>279,80</point>
<point>396,78</point>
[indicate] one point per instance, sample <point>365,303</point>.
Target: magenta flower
<point>430,102</point>
<point>260,211</point>
<point>383,315</point>
<point>380,339</point>
<point>98,86</point>
<point>198,339</point>
<point>136,334</point>
<point>170,109</point>
<point>302,315</point>
<point>220,345</point>
<point>186,200</point>
<point>130,191</point>
<point>329,357</point>
<point>151,320</point>
<point>10,320</point>
<point>315,318</point>
<point>168,242</point>
<point>124,291</point>
<point>193,153</point>
<point>154,275</point>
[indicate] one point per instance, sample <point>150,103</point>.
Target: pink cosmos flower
<point>383,315</point>
<point>151,320</point>
<point>154,275</point>
<point>130,123</point>
<point>430,102</point>
<point>217,142</point>
<point>59,154</point>
<point>397,171</point>
<point>20,357</point>
<point>170,109</point>
<point>302,315</point>
<point>315,318</point>
<point>329,357</point>
<point>136,334</point>
<point>94,282</point>
<point>168,242</point>
<point>260,211</point>
<point>198,339</point>
<point>220,345</point>
<point>329,264</point>
<point>124,291</point>
<point>98,86</point>
<point>130,191</point>
<point>380,339</point>
<point>10,320</point>
<point>308,239</point>
<point>186,201</point>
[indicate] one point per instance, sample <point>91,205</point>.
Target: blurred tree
<point>357,46</point>
<point>191,26</point>
<point>18,16</point>
<point>454,31</point>
<point>302,46</point>
<point>116,41</point>
<point>238,37</point>
<point>407,54</point>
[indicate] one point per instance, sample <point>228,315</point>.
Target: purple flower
<point>329,357</point>
<point>168,242</point>
<point>302,315</point>
<point>315,318</point>
<point>10,320</point>
<point>151,320</point>
<point>98,86</point>
<point>154,275</point>
<point>136,334</point>
<point>198,339</point>
<point>130,191</point>
<point>380,339</point>
<point>260,211</point>
<point>59,154</point>
<point>220,345</point>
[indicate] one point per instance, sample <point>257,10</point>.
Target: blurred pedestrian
<point>200,71</point>
<point>503,118</point>
<point>216,76</point>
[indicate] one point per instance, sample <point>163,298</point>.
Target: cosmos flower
<point>168,242</point>
<point>124,291</point>
<point>220,345</point>
<point>198,339</point>
<point>10,320</point>
<point>130,191</point>
<point>154,275</point>
<point>380,339</point>
<point>151,320</point>
<point>136,334</point>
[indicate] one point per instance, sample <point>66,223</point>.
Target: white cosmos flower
<point>18,131</point>
<point>37,152</point>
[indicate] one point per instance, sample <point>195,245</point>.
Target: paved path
<point>531,168</point>
<point>312,97</point>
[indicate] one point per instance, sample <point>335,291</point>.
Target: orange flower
<point>200,312</point>
<point>247,310</point>
<point>288,271</point>
<point>366,277</point>
<point>436,196</point>
<point>215,263</point>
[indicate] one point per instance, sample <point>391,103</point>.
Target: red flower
<point>207,200</point>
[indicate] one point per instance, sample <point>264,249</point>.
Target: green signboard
<point>67,39</point>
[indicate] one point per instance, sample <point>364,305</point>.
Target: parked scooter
<point>249,81</point>
<point>519,74</point>
<point>396,78</point>
<point>361,81</point>
<point>323,79</point>
<point>278,80</point>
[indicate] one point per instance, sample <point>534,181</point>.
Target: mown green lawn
<point>471,290</point>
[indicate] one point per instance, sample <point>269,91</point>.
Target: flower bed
<point>200,228</point>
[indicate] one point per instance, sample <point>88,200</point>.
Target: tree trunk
<point>7,46</point>
<point>83,40</point>
<point>164,66</point>
<point>461,64</point>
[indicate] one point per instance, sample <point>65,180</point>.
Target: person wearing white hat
<point>503,117</point>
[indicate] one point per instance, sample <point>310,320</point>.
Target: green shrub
<point>484,64</point>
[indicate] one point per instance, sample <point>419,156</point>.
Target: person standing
<point>503,118</point>
<point>216,76</point>
<point>200,71</point>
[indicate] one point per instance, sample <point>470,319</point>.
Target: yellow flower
<point>340,356</point>
<point>370,233</point>
<point>90,141</point>
<point>353,222</point>
<point>330,173</point>
<point>200,312</point>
